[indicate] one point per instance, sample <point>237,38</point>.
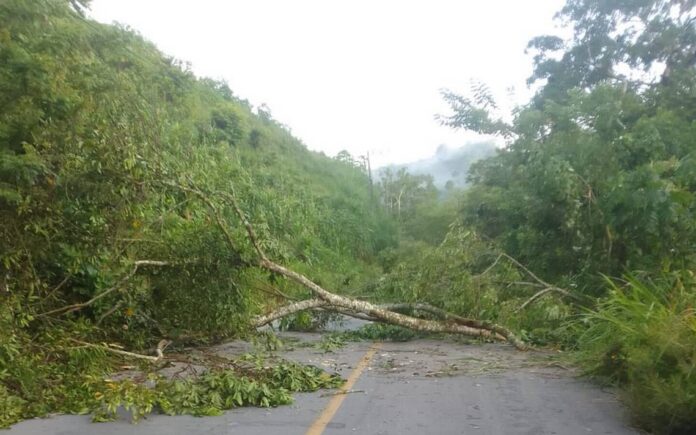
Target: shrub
<point>642,337</point>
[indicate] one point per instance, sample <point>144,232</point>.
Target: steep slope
<point>97,129</point>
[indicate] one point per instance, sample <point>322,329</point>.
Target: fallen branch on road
<point>327,300</point>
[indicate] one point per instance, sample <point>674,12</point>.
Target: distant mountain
<point>448,164</point>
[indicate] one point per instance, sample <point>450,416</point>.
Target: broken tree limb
<point>502,333</point>
<point>383,315</point>
<point>340,302</point>
<point>288,310</point>
<point>536,296</point>
<point>432,310</point>
<point>446,315</point>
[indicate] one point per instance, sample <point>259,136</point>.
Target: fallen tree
<point>324,299</point>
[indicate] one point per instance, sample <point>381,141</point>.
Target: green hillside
<point>97,129</point>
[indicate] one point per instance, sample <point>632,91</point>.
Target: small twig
<point>151,263</point>
<point>58,287</point>
<point>352,314</point>
<point>242,217</point>
<point>525,283</point>
<point>216,211</point>
<point>536,296</point>
<point>529,272</point>
<point>269,289</point>
<point>109,312</point>
<point>160,348</point>
<point>132,240</point>
<point>488,269</point>
<point>547,288</point>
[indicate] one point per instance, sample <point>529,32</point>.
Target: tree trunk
<point>387,316</point>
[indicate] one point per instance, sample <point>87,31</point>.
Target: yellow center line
<point>317,428</point>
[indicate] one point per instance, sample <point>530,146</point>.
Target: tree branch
<point>385,315</point>
<point>341,302</point>
<point>216,212</point>
<point>547,288</point>
<point>287,310</point>
<point>117,286</point>
<point>159,350</point>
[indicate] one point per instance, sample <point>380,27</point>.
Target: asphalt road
<point>417,387</point>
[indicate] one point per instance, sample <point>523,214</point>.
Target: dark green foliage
<point>597,179</point>
<point>96,129</point>
<point>601,198</point>
<point>219,390</point>
<point>596,176</point>
<point>95,122</point>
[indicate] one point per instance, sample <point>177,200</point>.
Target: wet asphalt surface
<point>419,387</point>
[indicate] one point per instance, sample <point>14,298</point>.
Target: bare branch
<point>58,287</point>
<point>525,283</point>
<point>111,311</point>
<point>247,225</point>
<point>547,288</point>
<point>488,269</point>
<point>541,293</point>
<point>529,272</point>
<point>446,315</point>
<point>159,350</point>
<point>151,263</point>
<point>352,314</point>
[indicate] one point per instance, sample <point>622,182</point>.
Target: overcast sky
<point>358,75</point>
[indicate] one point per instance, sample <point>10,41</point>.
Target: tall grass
<point>642,337</point>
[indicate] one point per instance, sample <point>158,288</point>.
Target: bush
<point>642,337</point>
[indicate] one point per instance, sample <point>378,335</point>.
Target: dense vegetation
<point>593,191</point>
<point>97,128</point>
<point>104,141</point>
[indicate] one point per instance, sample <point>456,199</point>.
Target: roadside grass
<point>642,338</point>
